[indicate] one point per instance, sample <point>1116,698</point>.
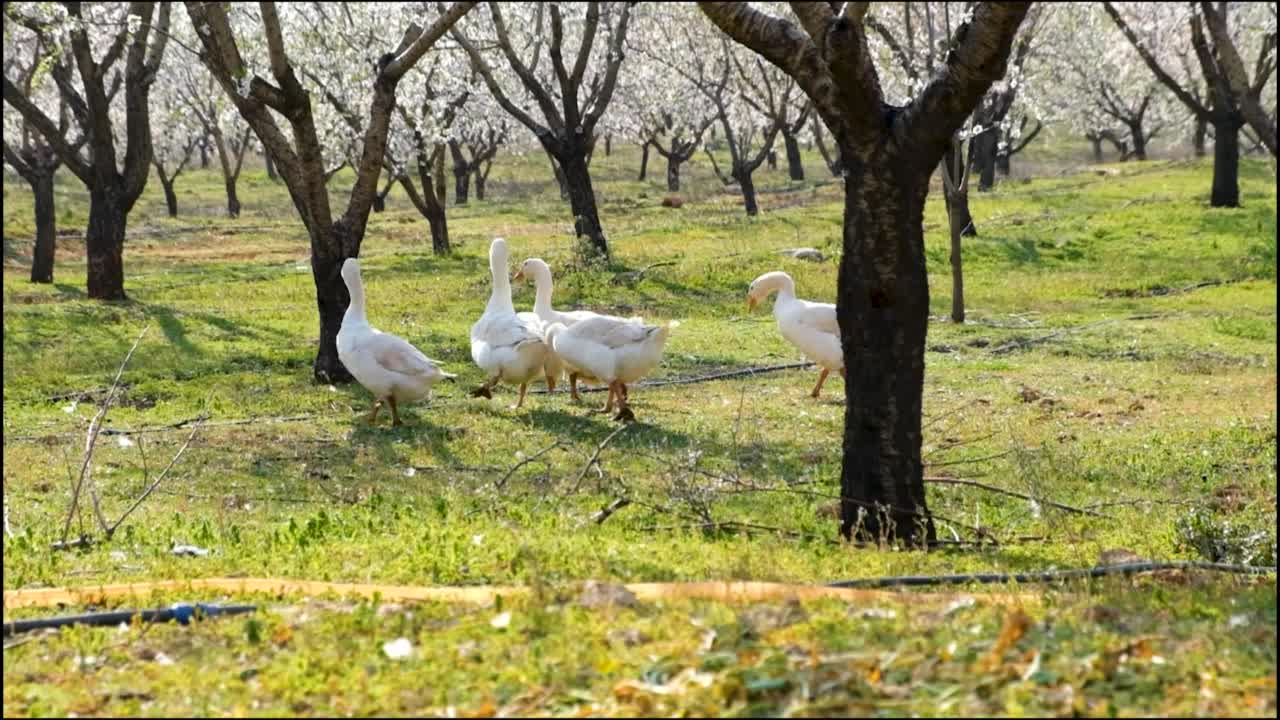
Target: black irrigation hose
<point>1049,576</point>
<point>181,612</point>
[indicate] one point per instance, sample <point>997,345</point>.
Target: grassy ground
<point>1148,394</point>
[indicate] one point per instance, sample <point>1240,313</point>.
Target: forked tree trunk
<point>233,200</point>
<point>591,245</point>
<point>46,227</point>
<point>481,179</point>
<point>957,201</point>
<point>673,172</point>
<point>883,311</point>
<point>1226,163</point>
<point>795,164</point>
<point>644,161</point>
<point>104,245</point>
<point>1139,140</point>
<point>170,197</point>
<point>957,266</point>
<point>984,159</point>
<point>331,300</point>
<point>461,184</point>
<point>748,187</point>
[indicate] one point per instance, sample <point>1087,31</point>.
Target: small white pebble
<point>69,408</point>
<point>501,621</point>
<point>410,471</point>
<point>124,441</point>
<point>398,649</point>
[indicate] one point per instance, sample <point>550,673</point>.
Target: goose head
<point>498,255</point>
<point>532,268</point>
<point>351,272</point>
<point>767,284</point>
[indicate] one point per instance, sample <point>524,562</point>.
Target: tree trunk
<point>883,310</point>
<point>560,178</point>
<point>644,161</point>
<point>592,245</point>
<point>1226,163</point>
<point>957,267</point>
<point>748,187</point>
<point>170,198</point>
<point>673,172</point>
<point>379,202</point>
<point>462,184</point>
<point>331,301</point>
<point>480,182</point>
<point>104,245</point>
<point>608,145</point>
<point>438,223</point>
<point>437,176</point>
<point>795,166</point>
<point>1197,137</point>
<point>271,167</point>
<point>957,201</point>
<point>1096,141</point>
<point>204,154</point>
<point>1002,163</point>
<point>772,159</point>
<point>984,159</point>
<point>46,227</point>
<point>1139,140</point>
<point>233,201</point>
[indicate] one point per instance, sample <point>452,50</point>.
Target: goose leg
<point>551,383</point>
<point>524,387</point>
<point>821,379</point>
<point>573,387</point>
<point>608,406</point>
<point>624,408</point>
<point>395,413</point>
<point>373,414</point>
<point>483,390</point>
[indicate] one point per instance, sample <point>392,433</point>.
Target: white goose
<point>810,326</point>
<point>507,346</point>
<point>387,366</point>
<point>540,272</point>
<point>612,350</point>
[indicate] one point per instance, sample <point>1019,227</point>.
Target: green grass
<point>1162,400</point>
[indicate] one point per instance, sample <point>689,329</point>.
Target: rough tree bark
<point>46,228</point>
<point>882,301</point>
<point>644,162</point>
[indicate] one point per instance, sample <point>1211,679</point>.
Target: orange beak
<point>518,276</point>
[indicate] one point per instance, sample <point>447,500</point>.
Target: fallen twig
<point>159,478</point>
<point>613,507</point>
<point>992,488</point>
<point>698,378</point>
<point>91,439</point>
<point>506,476</point>
<point>595,456</point>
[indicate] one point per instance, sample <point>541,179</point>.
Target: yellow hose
<point>484,594</point>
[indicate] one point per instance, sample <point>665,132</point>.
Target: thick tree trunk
<point>1096,141</point>
<point>233,200</point>
<point>331,301</point>
<point>560,178</point>
<point>883,311</point>
<point>748,188</point>
<point>461,184</point>
<point>644,161</point>
<point>170,197</point>
<point>957,266</point>
<point>673,172</point>
<point>592,245</point>
<point>795,165</point>
<point>1002,163</point>
<point>104,245</point>
<point>480,183</point>
<point>379,202</point>
<point>1198,135</point>
<point>984,159</point>
<point>1226,163</point>
<point>1139,140</point>
<point>46,227</point>
<point>439,225</point>
<point>271,167</point>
